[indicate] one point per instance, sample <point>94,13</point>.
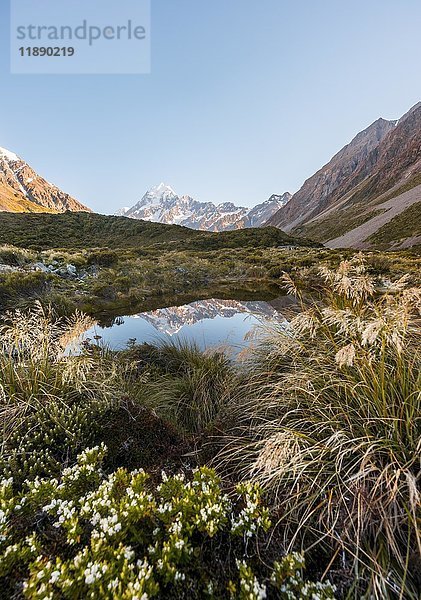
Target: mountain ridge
<point>92,230</point>
<point>380,163</point>
<point>161,204</point>
<point>23,190</point>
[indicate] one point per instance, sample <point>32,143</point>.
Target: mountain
<point>162,205</point>
<point>368,195</point>
<point>261,213</point>
<point>23,190</point>
<point>122,211</point>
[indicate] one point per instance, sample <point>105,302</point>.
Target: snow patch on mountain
<point>8,155</point>
<point>122,211</point>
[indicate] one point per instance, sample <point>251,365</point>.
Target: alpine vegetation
<point>165,471</point>
<point>331,428</point>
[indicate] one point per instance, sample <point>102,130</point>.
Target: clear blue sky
<point>246,98</point>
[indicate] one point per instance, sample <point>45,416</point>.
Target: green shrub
<point>14,257</point>
<point>18,286</point>
<point>275,272</point>
<point>103,258</point>
<point>123,283</point>
<point>104,290</point>
<point>379,264</point>
<point>88,535</point>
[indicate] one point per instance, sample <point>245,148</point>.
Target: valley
<point>210,323</point>
<point>109,266</point>
<point>191,385</point>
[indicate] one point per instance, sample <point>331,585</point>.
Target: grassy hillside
<point>12,201</point>
<point>336,224</point>
<point>403,226</point>
<point>82,230</point>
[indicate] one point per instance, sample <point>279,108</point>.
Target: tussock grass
<point>47,398</point>
<point>326,412</point>
<point>12,256</point>
<point>330,424</point>
<point>184,384</point>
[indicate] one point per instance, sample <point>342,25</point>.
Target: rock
<point>39,266</point>
<point>71,270</point>
<point>8,269</point>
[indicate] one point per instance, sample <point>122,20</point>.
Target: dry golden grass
<point>330,424</point>
<point>46,394</point>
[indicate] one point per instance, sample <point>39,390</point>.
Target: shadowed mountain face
<point>162,205</point>
<point>23,190</point>
<point>369,177</point>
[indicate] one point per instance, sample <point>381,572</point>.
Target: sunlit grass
<point>47,398</point>
<point>331,426</point>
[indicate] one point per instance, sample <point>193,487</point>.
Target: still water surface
<point>208,323</point>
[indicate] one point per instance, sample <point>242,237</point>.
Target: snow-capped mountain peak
<point>229,207</point>
<point>121,212</point>
<point>8,155</point>
<point>161,204</point>
<point>23,190</point>
<point>157,195</point>
<point>162,188</point>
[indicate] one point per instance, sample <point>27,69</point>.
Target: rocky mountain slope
<point>162,205</point>
<point>23,190</point>
<point>369,185</point>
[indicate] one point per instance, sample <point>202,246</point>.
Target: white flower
<point>54,576</point>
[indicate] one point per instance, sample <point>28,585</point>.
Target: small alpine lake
<point>230,324</point>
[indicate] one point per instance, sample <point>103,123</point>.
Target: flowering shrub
<point>49,433</point>
<point>91,535</point>
<point>286,582</point>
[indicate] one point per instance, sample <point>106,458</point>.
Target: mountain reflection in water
<point>208,323</point>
